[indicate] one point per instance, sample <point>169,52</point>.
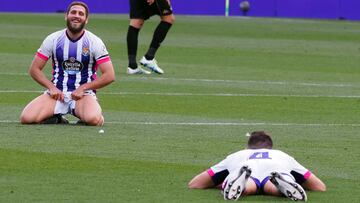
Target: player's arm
<point>306,178</point>
<point>314,183</point>
<point>214,176</point>
<point>38,75</point>
<point>201,181</point>
<point>107,77</point>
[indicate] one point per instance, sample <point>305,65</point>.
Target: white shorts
<point>68,105</point>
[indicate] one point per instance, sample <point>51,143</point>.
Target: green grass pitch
<point>297,79</point>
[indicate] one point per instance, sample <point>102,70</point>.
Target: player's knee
<point>137,23</point>
<point>172,19</point>
<point>169,19</point>
<point>94,120</point>
<point>26,119</point>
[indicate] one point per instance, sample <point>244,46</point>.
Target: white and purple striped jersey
<point>74,62</point>
<point>262,162</point>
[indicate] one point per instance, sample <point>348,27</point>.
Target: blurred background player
<point>141,10</point>
<point>259,169</point>
<point>76,55</point>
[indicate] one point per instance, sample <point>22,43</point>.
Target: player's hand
<point>150,1</point>
<point>78,93</point>
<point>56,94</point>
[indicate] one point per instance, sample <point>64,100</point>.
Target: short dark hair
<point>260,140</point>
<point>80,3</point>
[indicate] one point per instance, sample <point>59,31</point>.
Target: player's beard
<point>73,29</point>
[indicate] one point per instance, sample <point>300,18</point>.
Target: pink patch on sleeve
<point>210,172</point>
<point>103,60</point>
<point>307,175</point>
<point>42,56</point>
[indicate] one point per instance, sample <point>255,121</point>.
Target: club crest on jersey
<point>85,51</point>
<point>72,66</point>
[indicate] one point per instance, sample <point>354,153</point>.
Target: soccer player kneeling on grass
<point>76,55</point>
<point>259,169</point>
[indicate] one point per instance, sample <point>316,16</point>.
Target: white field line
<point>18,74</point>
<point>234,124</point>
<point>259,82</point>
<point>229,94</point>
<point>230,81</point>
<point>201,94</point>
<point>222,124</point>
<point>20,91</point>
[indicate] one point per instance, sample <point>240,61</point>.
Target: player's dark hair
<point>259,140</point>
<point>80,3</point>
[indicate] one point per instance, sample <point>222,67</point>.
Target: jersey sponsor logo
<point>72,66</point>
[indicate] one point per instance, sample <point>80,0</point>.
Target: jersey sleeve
<point>300,173</point>
<point>45,50</point>
<point>219,172</point>
<point>101,54</point>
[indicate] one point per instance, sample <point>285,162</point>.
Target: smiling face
<point>76,19</point>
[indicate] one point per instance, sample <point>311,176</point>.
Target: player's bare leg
<point>39,109</point>
<point>168,18</point>
<point>89,111</point>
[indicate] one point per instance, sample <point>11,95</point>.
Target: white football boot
<point>138,70</point>
<point>151,64</point>
<point>290,189</point>
<point>235,185</point>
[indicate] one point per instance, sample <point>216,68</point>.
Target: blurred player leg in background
<point>139,12</point>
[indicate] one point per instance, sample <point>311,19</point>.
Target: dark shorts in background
<point>140,9</point>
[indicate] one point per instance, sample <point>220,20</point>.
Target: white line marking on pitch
<point>17,74</point>
<point>220,123</point>
<point>259,82</point>
<point>230,81</point>
<point>233,124</point>
<point>228,94</point>
<point>200,94</point>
